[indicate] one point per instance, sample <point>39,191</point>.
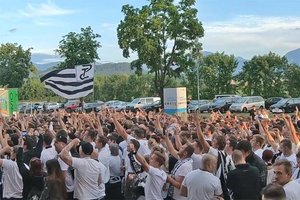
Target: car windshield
<point>221,100</point>
<point>241,100</point>
<point>135,101</point>
<point>282,101</point>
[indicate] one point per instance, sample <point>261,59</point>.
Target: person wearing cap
<point>60,142</point>
<point>88,183</point>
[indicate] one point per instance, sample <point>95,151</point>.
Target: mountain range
<point>45,62</point>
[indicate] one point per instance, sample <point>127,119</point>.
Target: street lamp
<point>196,55</point>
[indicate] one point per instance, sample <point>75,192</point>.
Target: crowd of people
<point>137,155</point>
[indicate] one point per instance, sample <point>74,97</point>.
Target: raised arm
<point>64,154</point>
<point>120,129</point>
<point>170,147</point>
<point>200,135</point>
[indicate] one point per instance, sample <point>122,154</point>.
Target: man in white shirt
<point>183,166</point>
<point>12,179</point>
<point>283,177</point>
<point>257,143</point>
<point>88,172</point>
<point>156,177</point>
<point>103,155</point>
<point>287,153</point>
<point>49,151</point>
<point>208,187</point>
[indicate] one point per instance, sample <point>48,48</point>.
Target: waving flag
<point>71,83</point>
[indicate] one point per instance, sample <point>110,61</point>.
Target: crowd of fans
<point>137,155</point>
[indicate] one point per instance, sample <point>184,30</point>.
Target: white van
<point>245,104</point>
<point>141,102</point>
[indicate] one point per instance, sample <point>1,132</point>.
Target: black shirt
<point>256,161</point>
<point>244,181</point>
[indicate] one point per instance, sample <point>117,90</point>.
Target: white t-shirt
<point>183,170</point>
<point>87,173</point>
<point>202,184</point>
<point>154,184</point>
<point>292,159</point>
<point>292,190</point>
<point>259,152</point>
<point>69,179</point>
<point>144,148</point>
<point>47,154</point>
<point>103,157</point>
<point>115,166</point>
<point>197,161</point>
<point>12,180</point>
<point>295,174</point>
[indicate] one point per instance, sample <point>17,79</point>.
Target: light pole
<point>196,55</point>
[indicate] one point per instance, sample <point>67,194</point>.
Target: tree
<point>292,80</point>
<point>215,74</point>
<point>264,75</point>
<point>79,48</point>
<point>15,64</point>
<point>32,89</point>
<point>162,34</point>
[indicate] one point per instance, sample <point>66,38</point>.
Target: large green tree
<point>15,65</point>
<point>292,80</point>
<point>79,48</point>
<point>215,75</point>
<point>264,75</point>
<point>161,34</point>
<point>32,89</point>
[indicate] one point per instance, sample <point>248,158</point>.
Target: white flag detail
<point>71,83</point>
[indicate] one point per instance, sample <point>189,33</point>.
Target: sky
<point>241,27</point>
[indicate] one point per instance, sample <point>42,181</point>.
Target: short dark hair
<point>220,141</point>
<point>48,138</point>
<point>102,139</point>
<point>135,143</point>
<point>274,192</point>
<point>244,145</point>
<point>232,142</point>
<point>189,149</point>
<point>140,132</point>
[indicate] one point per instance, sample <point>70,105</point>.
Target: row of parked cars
<point>236,103</point>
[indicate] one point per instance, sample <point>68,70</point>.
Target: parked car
<point>223,104</point>
<point>52,106</point>
<point>154,107</point>
<point>121,106</point>
<point>245,104</point>
<point>195,104</point>
<point>272,100</point>
<point>285,105</point>
<point>205,107</point>
<point>141,102</point>
<point>72,105</point>
<point>89,107</point>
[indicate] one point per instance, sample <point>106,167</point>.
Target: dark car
<point>271,101</point>
<point>223,104</point>
<point>285,105</point>
<point>154,107</point>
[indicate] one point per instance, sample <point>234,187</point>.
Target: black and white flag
<point>71,83</point>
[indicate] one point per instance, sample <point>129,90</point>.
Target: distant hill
<point>294,56</point>
<point>105,69</point>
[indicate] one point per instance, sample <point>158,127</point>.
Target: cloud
<point>12,30</point>
<point>44,10</point>
<point>248,35</point>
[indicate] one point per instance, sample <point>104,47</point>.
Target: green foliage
<point>292,80</point>
<point>161,34</point>
<point>215,76</point>
<point>79,48</point>
<point>15,65</point>
<point>32,89</point>
<point>264,75</point>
